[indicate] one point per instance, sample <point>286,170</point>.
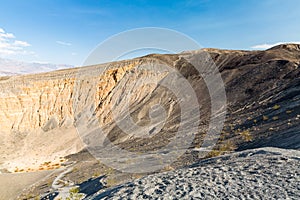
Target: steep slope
<point>40,115</point>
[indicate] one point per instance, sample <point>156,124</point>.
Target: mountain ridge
<point>45,102</point>
<point>63,67</point>
<point>10,67</point>
<point>47,118</point>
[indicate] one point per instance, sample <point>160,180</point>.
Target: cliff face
<point>45,101</point>
<point>262,89</point>
<point>28,105</point>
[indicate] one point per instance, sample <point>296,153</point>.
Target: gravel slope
<point>266,173</point>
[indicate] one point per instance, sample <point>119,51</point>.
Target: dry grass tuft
<point>246,135</point>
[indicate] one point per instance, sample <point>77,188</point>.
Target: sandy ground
<point>268,173</point>
<point>39,151</point>
<point>11,185</point>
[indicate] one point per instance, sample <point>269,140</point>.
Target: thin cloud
<point>63,43</point>
<point>21,43</point>
<point>10,46</point>
<point>5,36</point>
<point>267,46</point>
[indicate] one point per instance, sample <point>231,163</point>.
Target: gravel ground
<point>266,173</point>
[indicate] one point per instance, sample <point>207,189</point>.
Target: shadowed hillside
<point>41,115</point>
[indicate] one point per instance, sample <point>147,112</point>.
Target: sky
<point>66,31</point>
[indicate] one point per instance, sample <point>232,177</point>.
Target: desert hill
<point>42,116</point>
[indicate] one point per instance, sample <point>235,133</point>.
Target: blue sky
<point>65,31</point>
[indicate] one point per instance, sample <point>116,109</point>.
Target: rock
<point>45,111</point>
<point>259,173</point>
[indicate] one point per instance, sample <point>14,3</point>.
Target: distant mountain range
<point>10,67</point>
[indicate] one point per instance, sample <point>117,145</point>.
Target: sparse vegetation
<point>96,174</point>
<point>75,169</point>
<point>275,118</point>
<point>214,153</point>
<point>246,120</point>
<point>246,135</point>
<point>111,182</point>
<point>74,190</point>
<point>265,118</point>
<point>276,107</point>
<point>226,147</point>
<point>30,196</point>
<point>166,168</point>
<point>47,163</point>
<point>74,194</point>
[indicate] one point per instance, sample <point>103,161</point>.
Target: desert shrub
<point>166,168</point>
<point>30,196</point>
<point>47,163</point>
<point>225,147</point>
<point>74,190</point>
<point>214,153</point>
<point>228,146</point>
<point>265,117</point>
<point>246,135</point>
<point>96,174</point>
<point>276,107</point>
<point>74,194</point>
<point>275,118</point>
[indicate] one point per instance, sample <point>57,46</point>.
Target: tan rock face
<point>28,103</point>
<point>39,113</point>
<point>35,104</point>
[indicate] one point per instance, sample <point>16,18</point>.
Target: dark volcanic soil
<point>263,109</point>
